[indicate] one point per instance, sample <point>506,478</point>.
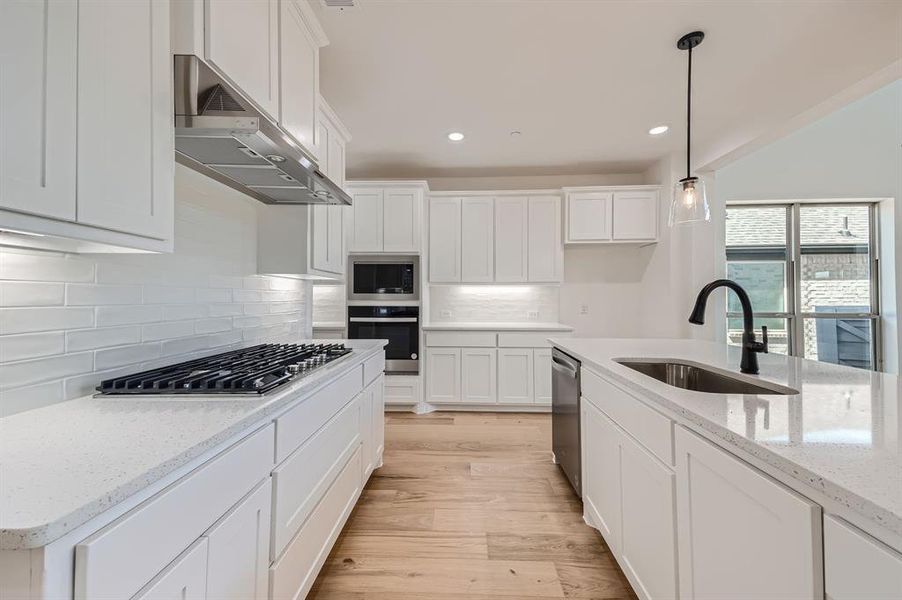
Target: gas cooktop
<point>253,370</point>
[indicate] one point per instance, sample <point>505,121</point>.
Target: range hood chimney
<point>220,134</point>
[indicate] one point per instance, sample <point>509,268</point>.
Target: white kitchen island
<point>237,497</point>
<point>705,495</point>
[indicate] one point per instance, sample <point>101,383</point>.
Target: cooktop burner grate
<point>257,369</point>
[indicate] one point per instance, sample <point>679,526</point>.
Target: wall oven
<point>400,325</point>
<point>384,278</point>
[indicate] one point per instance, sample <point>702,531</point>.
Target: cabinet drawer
<point>293,574</point>
<point>304,477</point>
<point>402,389</point>
<point>122,557</point>
<point>373,367</point>
<point>652,429</point>
<point>302,421</point>
<point>462,339</point>
<point>858,566</point>
<point>529,339</point>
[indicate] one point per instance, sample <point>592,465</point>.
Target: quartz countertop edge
<point>496,326</point>
<point>794,460</point>
<point>64,464</point>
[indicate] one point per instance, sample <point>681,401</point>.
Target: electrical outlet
<point>532,315</point>
<point>584,309</point>
<point>446,314</point>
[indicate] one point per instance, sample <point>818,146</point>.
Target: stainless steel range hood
<point>223,136</point>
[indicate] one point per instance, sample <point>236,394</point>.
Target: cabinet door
<point>336,158</point>
<point>365,400</point>
<point>545,258</point>
<point>443,374</point>
<point>589,216</point>
<point>444,239</point>
<point>635,215</point>
<point>515,384</point>
<point>601,474</point>
<point>38,62</point>
<point>648,522</point>
<point>511,238</point>
<point>857,566</point>
<point>477,235</point>
<point>478,375</point>
<point>367,222</point>
<point>252,67</point>
<point>299,74</point>
<point>542,375</point>
<point>319,232</point>
<point>335,243</point>
<point>378,420</point>
<point>238,549</point>
<point>321,148</point>
<point>401,218</point>
<point>721,500</point>
<point>184,579</point>
<point>125,128</point>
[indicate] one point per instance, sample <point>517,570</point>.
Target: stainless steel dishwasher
<point>565,393</point>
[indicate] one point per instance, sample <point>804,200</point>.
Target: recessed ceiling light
<point>455,136</point>
<point>658,130</point>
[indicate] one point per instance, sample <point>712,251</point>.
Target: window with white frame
<point>811,273</point>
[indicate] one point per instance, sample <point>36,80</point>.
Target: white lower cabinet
<point>858,567</point>
<point>742,534</point>
<point>238,549</point>
<point>628,495</point>
<point>542,375</point>
<point>443,374</point>
<point>478,375</point>
<point>378,420</point>
<point>372,426</point>
<point>515,383</point>
<point>401,389</point>
<point>184,579</point>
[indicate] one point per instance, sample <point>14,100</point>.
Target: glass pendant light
<point>689,203</point>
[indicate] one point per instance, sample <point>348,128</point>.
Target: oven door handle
<point>383,320</point>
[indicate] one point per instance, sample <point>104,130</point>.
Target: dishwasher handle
<point>562,366</point>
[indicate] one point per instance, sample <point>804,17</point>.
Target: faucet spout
<point>750,346</point>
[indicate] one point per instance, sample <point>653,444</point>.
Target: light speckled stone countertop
<point>841,435</point>
<point>496,326</point>
<point>66,463</point>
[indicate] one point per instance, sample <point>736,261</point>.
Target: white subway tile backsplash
<point>102,337</point>
<point>27,320</point>
<point>28,372</point>
<point>69,321</point>
<point>127,315</point>
<point>89,294</point>
<point>165,331</point>
<point>22,293</point>
<point>185,311</point>
<point>168,295</point>
<point>31,345</point>
<point>44,266</point>
<point>126,355</point>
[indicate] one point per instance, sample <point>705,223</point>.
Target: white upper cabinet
<point>611,215</point>
<point>386,216</point>
<point>477,235</point>
<point>401,220</point>
<point>511,238</point>
<point>545,259</point>
<point>444,240</point>
<point>252,66</point>
<point>299,44</point>
<point>125,131</point>
<point>38,61</point>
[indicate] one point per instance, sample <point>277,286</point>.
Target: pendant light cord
<point>688,112</point>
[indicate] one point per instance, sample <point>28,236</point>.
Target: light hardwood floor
<point>468,505</point>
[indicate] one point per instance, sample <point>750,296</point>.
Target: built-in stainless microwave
<point>384,278</point>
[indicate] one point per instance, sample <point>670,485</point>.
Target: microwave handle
<point>383,319</point>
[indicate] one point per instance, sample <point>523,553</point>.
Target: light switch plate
<point>446,314</point>
<point>532,315</point>
<point>584,309</point>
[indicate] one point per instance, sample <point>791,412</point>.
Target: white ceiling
<point>583,80</point>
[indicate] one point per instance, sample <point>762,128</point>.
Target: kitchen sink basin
<point>699,379</point>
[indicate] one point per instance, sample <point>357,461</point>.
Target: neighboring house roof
<point>766,226</point>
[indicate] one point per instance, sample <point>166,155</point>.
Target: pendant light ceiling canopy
<point>689,203</point>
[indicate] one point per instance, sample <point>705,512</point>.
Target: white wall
<point>67,321</point>
<point>856,152</point>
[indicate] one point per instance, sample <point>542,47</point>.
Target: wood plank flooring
<point>469,506</point>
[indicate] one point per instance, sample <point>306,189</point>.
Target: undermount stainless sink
<point>699,379</point>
